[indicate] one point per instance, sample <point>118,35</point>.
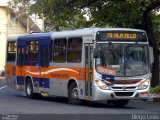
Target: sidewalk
<point>155,97</point>
<point>2,78</point>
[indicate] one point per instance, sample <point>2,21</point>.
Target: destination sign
<point>121,36</point>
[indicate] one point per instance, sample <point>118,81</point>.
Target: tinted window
<point>31,51</point>
<point>74,50</point>
<point>59,50</point>
<point>11,51</point>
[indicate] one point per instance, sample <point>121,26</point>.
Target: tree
<point>149,29</point>
<point>124,13</point>
<point>156,28</point>
<point>60,13</point>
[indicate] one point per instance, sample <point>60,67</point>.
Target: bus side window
<point>31,51</point>
<point>59,50</point>
<point>74,50</point>
<point>11,51</point>
<point>51,51</point>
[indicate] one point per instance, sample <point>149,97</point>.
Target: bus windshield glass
<point>125,59</point>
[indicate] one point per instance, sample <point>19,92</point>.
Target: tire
<point>29,90</point>
<point>119,103</point>
<point>73,95</point>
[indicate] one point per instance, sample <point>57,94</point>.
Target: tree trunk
<point>152,42</point>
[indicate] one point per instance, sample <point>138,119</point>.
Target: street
<point>15,102</point>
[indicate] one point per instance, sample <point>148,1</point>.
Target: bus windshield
<point>126,59</point>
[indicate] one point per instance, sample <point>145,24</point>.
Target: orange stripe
<point>9,70</point>
<point>62,73</point>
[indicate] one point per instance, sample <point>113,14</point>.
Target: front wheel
<point>73,94</point>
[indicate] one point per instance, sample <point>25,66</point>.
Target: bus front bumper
<point>100,94</point>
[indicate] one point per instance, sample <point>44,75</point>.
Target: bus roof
<point>69,33</point>
<point>88,31</point>
<point>32,36</point>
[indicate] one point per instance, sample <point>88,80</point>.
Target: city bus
<point>92,64</point>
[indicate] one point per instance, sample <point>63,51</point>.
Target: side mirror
<point>151,55</point>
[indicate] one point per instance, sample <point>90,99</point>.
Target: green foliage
<point>62,13</point>
<point>155,89</point>
<point>66,14</point>
<point>118,13</point>
<point>156,28</point>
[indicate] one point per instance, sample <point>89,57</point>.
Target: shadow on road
<point>63,100</point>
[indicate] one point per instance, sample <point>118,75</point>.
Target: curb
<point>156,99</point>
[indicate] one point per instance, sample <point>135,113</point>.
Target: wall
<point>8,26</point>
<point>11,26</point>
<point>15,27</point>
<point>3,35</point>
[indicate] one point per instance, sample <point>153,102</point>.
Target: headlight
<point>144,85</point>
<point>102,85</point>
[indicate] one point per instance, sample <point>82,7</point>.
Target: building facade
<point>13,24</point>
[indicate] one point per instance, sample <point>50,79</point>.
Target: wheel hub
<point>75,93</point>
<point>28,89</point>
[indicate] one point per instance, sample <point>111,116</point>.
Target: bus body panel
<point>10,65</point>
<point>10,75</point>
<point>54,77</point>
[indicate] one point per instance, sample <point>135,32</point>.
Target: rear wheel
<point>119,103</point>
<point>73,94</point>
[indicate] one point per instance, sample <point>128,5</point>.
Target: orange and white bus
<point>95,64</point>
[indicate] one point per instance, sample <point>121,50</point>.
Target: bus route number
<point>121,35</point>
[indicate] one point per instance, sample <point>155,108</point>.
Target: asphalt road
<point>14,104</point>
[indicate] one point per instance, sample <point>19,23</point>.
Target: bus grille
<point>119,82</point>
<point>124,93</point>
<point>121,88</point>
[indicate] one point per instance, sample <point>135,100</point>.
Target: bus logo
<point>124,87</point>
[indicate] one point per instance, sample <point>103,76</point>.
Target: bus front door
<point>19,70</point>
<point>89,69</point>
<point>44,63</point>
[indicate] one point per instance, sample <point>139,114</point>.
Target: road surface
<point>15,103</point>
